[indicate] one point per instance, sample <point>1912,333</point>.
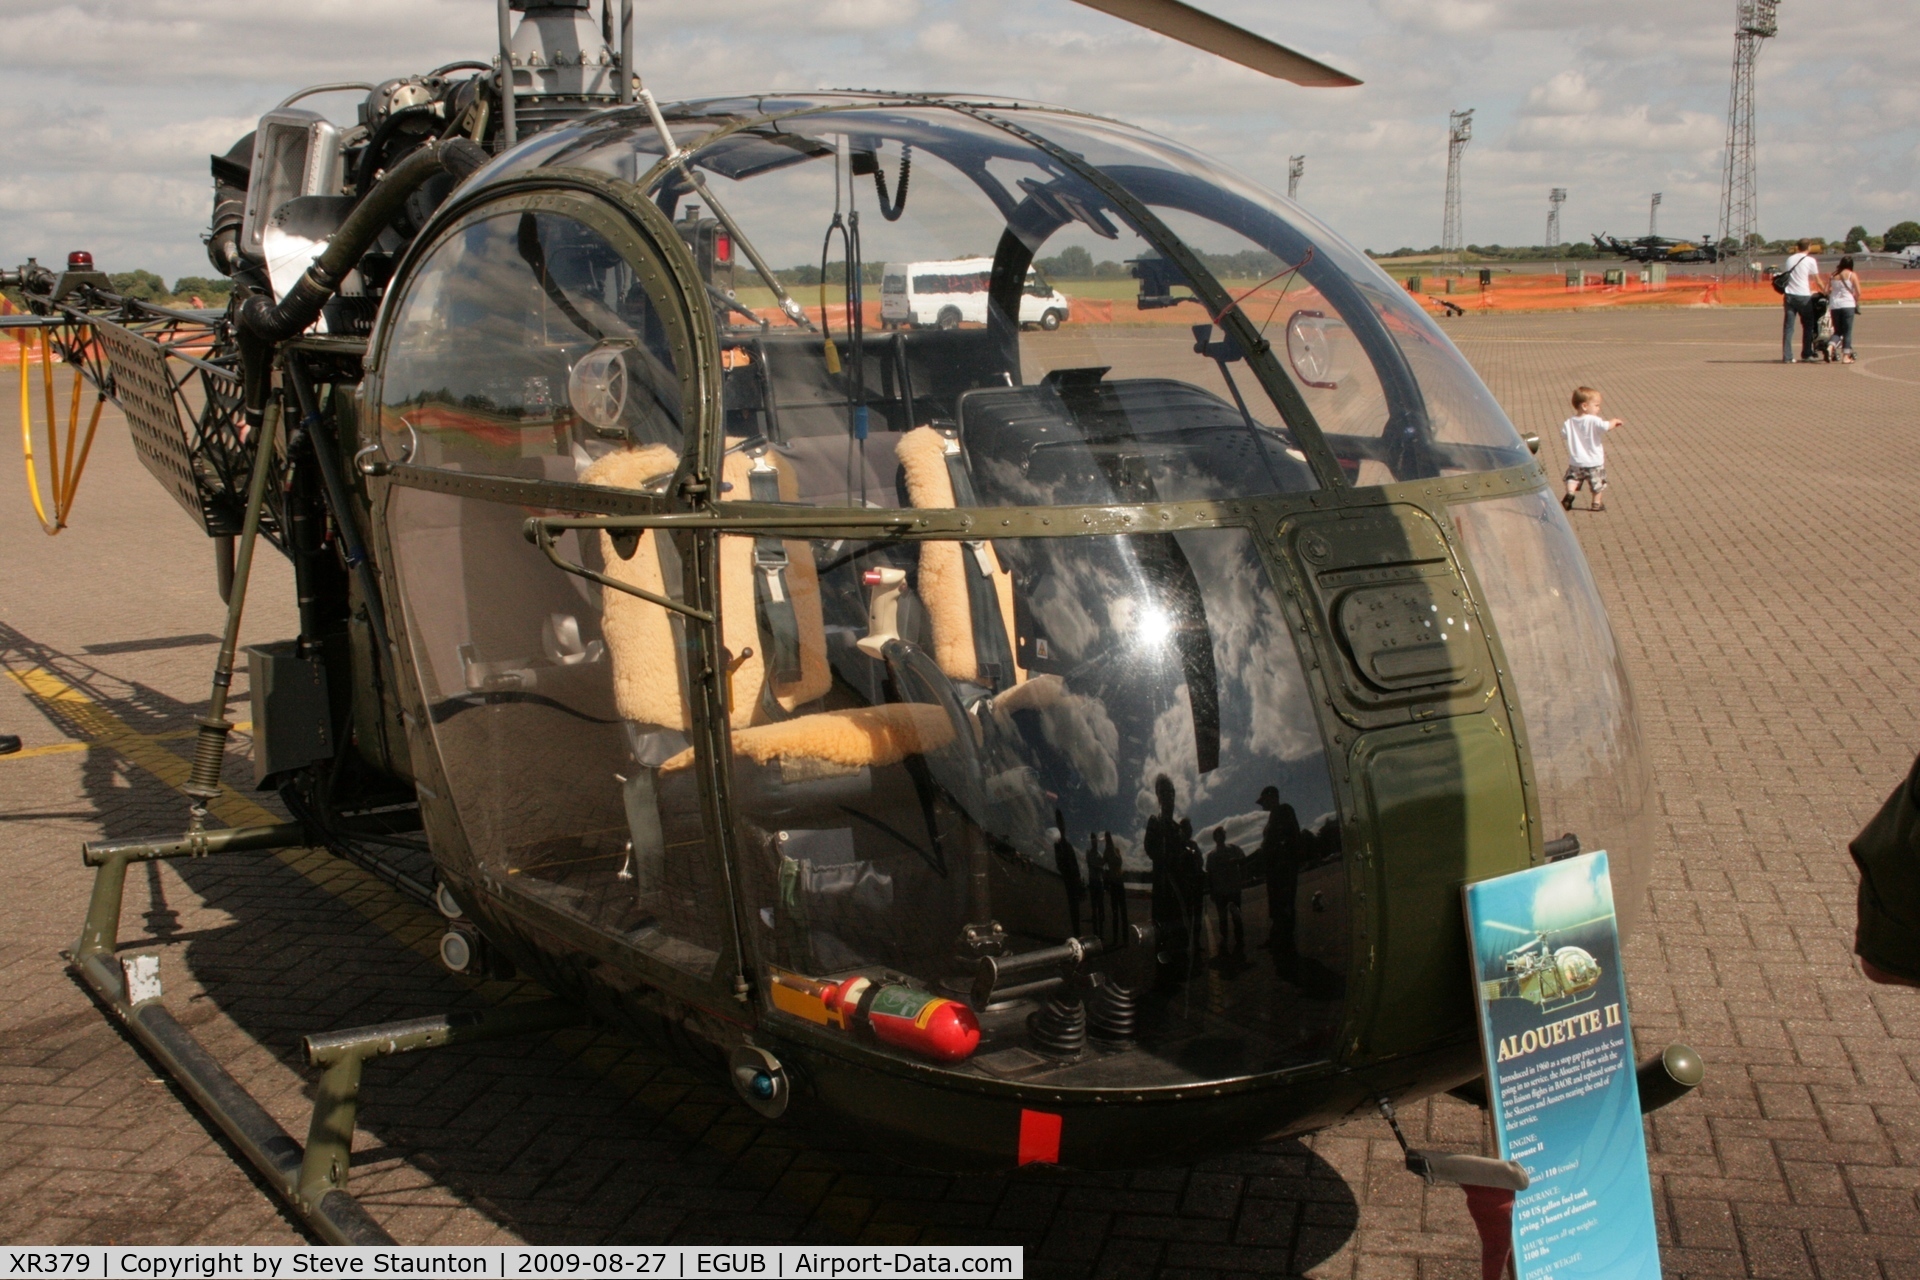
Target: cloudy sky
<point>108,108</point>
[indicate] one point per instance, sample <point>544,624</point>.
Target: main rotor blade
<point>1189,25</point>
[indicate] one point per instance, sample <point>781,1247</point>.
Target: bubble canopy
<point>1213,340</point>
<point>1115,763</point>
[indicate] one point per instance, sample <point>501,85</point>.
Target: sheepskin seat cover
<point>646,668</point>
<point>647,684</point>
<point>943,566</point>
<point>857,736</point>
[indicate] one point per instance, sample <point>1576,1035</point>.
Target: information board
<point>1566,1105</point>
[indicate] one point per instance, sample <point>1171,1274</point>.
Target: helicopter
<point>1660,249</point>
<point>1548,976</point>
<point>1907,256</point>
<point>869,711</point>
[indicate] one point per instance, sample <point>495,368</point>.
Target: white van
<point>944,295</point>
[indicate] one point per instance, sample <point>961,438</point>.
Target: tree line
<point>1898,237</point>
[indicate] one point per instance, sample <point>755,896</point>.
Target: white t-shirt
<point>1841,293</point>
<point>1586,437</point>
<point>1801,269</point>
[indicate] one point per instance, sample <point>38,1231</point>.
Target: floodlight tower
<point>1296,165</point>
<point>1555,198</point>
<point>1754,21</point>
<point>1459,133</point>
<point>1653,216</point>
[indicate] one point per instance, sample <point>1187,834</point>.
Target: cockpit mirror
<point>597,388</point>
<point>1320,347</point>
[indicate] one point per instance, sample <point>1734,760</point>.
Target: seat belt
<point>775,602</point>
<point>993,656</point>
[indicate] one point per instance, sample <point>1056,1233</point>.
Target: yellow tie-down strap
<point>63,472</point>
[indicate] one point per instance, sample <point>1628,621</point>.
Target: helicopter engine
<point>282,190</point>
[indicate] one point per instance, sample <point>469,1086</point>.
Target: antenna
<point>1754,21</point>
<point>1653,216</point>
<point>1555,198</point>
<point>1296,165</point>
<point>1459,133</point>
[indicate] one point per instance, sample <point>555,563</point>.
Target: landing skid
<point>311,1180</point>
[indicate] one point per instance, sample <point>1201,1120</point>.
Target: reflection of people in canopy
<point>1097,885</point>
<point>1164,845</point>
<point>1067,861</point>
<point>1226,871</point>
<point>1191,880</point>
<point>1279,860</point>
<point>1116,887</point>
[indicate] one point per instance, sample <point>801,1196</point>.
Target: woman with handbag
<point>1843,304</point>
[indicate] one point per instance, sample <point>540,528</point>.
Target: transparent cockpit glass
<point>1443,420</point>
<point>1577,702</point>
<point>1133,306</point>
<point>528,345</point>
<point>988,749</point>
<point>550,702</point>
<point>954,325</point>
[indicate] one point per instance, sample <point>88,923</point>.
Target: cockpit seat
<point>648,670</point>
<point>967,593</point>
<point>788,760</point>
<point>853,737</point>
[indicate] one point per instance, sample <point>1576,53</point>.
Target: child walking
<point>1586,436</point>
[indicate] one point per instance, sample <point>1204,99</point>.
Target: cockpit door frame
<point>673,271</point>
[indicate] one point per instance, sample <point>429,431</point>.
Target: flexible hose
<point>265,320</point>
<point>376,146</point>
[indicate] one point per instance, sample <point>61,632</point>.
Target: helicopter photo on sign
<point>1564,1099</point>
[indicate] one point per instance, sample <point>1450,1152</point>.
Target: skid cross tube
<point>336,1103</point>
<point>336,1219</point>
<point>312,1181</point>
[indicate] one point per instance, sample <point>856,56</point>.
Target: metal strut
<point>210,748</point>
<point>312,1181</point>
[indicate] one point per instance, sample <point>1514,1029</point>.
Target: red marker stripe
<point>1039,1137</point>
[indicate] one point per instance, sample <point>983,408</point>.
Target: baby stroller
<point>1825,345</point>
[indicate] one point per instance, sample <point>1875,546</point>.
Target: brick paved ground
<point>1758,561</point>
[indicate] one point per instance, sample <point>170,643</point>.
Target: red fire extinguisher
<point>905,1017</point>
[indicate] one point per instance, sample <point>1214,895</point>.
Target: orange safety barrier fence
<point>1553,293</point>
<point>1272,304</point>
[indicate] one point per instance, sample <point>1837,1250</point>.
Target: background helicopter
<point>871,713</point>
<point>1660,249</point>
<point>1548,976</point>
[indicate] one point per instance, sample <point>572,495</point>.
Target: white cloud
<point>1634,129</point>
<point>1567,94</point>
